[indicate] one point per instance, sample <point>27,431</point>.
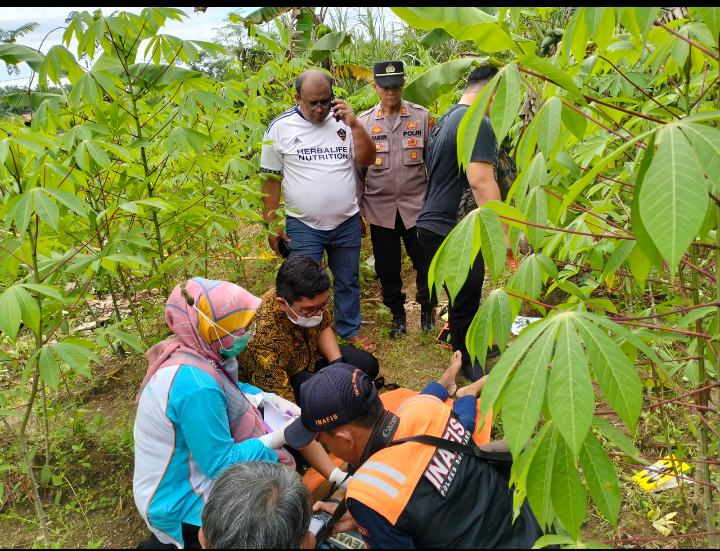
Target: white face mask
<point>312,321</point>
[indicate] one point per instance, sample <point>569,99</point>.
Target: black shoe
<point>494,351</point>
<point>399,325</point>
<point>427,319</point>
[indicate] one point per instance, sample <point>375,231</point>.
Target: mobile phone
<point>283,249</point>
<point>319,525</point>
<point>332,101</point>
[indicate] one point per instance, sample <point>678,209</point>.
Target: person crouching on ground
<point>410,495</point>
<point>295,336</point>
<point>194,419</point>
<point>257,505</point>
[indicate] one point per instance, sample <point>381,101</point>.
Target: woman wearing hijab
<point>194,418</point>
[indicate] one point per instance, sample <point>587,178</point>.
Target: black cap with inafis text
<point>334,397</point>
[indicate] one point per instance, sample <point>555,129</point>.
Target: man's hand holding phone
<point>341,111</point>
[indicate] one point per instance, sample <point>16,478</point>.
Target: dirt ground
<point>95,506</point>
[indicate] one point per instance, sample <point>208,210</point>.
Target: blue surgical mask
<point>239,343</point>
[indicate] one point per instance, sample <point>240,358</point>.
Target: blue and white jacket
<point>182,444</point>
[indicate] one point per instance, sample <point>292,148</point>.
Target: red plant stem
<point>608,178</point>
<point>598,235</point>
<point>708,424</point>
<point>686,358</point>
<point>688,404</point>
<point>679,477</point>
<point>703,49</point>
<point>679,536</point>
<point>659,328</point>
<point>715,385</point>
<point>699,270</point>
<point>705,92</point>
<point>677,460</point>
<point>678,311</point>
<point>601,125</point>
<point>627,111</point>
<point>643,92</point>
<point>575,205</point>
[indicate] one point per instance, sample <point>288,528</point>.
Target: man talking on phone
<point>308,155</point>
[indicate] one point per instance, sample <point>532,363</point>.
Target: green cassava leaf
<point>492,238</point>
<point>601,479</point>
<point>616,375</point>
<point>49,369</point>
<point>506,104</point>
<point>456,255</point>
<point>570,393</point>
<point>540,480</point>
<point>526,391</point>
<point>549,125</point>
<point>613,434</point>
<point>46,209</point>
<point>567,491</point>
<point>500,373</point>
<point>674,198</point>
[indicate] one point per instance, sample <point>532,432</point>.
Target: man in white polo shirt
<point>308,154</point>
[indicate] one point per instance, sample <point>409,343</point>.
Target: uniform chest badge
<point>412,142</point>
<point>413,155</point>
<point>342,134</point>
<point>379,147</point>
<point>378,161</point>
<point>379,114</point>
<point>411,124</point>
<point>376,130</point>
<point>403,111</point>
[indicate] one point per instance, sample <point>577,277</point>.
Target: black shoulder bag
<point>500,461</point>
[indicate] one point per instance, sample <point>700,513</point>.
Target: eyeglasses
<point>315,312</point>
<point>324,104</point>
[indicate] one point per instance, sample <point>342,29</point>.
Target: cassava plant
<point>618,153</point>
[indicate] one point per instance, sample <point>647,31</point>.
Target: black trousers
<point>462,310</point>
<point>388,263</point>
<point>189,533</point>
<point>354,356</point>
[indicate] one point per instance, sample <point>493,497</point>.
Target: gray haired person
<point>257,505</point>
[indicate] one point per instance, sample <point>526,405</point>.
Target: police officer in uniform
<point>391,191</point>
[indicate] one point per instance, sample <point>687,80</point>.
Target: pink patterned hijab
<point>197,343</point>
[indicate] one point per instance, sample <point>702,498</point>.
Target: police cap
<point>389,73</point>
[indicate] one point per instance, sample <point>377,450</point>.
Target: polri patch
<point>412,142</point>
<point>342,134</point>
<point>376,130</point>
<point>431,123</point>
<point>411,124</point>
<point>378,161</point>
<point>379,147</point>
<point>413,155</point>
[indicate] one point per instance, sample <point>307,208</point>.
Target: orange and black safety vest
<point>440,498</point>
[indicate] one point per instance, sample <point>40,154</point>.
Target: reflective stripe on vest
<point>386,482</point>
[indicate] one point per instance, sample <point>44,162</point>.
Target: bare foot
<point>474,389</point>
<point>447,379</point>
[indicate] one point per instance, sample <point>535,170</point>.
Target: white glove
<point>255,399</point>
<point>276,439</point>
<point>340,478</point>
<point>281,403</point>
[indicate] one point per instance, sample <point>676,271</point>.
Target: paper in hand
<point>274,418</point>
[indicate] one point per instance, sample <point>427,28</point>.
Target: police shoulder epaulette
<point>366,112</point>
<point>417,106</point>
